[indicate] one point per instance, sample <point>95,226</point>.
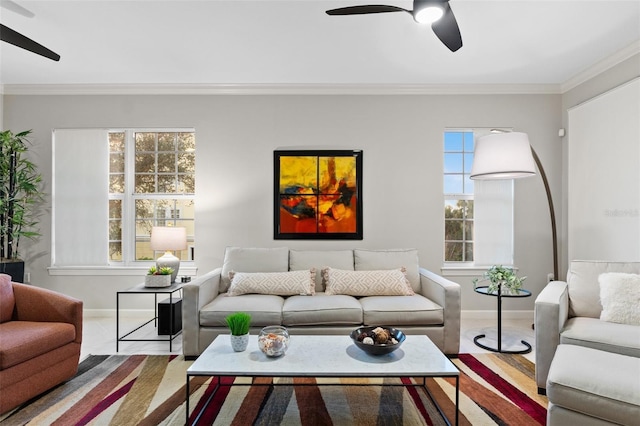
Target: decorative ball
<point>377,340</point>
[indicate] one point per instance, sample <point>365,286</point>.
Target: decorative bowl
<point>273,340</point>
<point>358,335</point>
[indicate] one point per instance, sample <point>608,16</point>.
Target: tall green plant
<point>19,193</point>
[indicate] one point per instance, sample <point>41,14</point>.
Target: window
<point>161,178</point>
<point>151,182</point>
<point>458,196</point>
<point>478,215</point>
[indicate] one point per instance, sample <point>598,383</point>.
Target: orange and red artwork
<point>318,194</point>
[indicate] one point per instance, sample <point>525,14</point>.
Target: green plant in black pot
<point>20,194</point>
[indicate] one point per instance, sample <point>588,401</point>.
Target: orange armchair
<point>40,339</point>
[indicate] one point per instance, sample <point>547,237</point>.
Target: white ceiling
<point>293,42</point>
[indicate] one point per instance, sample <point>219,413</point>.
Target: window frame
<point>462,196</point>
<point>129,266</point>
<point>465,268</point>
<point>129,198</point>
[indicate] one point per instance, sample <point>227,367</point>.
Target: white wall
<point>604,176</point>
<point>401,137</point>
<point>613,77</point>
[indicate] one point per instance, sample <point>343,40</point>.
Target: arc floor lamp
<point>509,155</point>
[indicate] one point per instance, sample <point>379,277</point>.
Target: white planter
<point>157,280</point>
<point>239,343</point>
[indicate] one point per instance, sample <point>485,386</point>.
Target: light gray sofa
<point>434,309</point>
<point>569,313</point>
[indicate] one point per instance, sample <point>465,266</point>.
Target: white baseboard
<point>492,314</point>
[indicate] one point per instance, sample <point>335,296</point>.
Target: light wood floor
<point>99,335</point>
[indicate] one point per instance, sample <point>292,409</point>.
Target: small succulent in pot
<point>165,270</point>
<point>238,323</point>
<point>499,275</point>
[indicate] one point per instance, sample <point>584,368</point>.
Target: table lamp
<point>508,155</point>
<point>168,239</point>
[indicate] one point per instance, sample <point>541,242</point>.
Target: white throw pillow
<point>253,259</point>
<point>276,283</point>
<point>368,260</point>
<point>620,297</point>
<point>391,282</point>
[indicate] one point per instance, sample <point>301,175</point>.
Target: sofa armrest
<point>42,305</point>
<point>445,293</point>
<point>195,295</point>
<point>550,314</point>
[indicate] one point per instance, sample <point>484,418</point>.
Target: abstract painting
<point>318,194</point>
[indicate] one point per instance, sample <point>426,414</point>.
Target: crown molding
<point>601,66</point>
<point>279,89</point>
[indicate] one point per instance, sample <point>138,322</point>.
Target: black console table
<point>499,295</point>
<point>171,331</point>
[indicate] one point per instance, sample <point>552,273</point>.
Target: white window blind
<point>80,197</point>
<point>493,222</point>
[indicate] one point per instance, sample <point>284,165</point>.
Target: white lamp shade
<point>503,156</point>
<point>168,238</point>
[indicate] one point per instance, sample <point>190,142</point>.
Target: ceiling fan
<point>436,12</point>
<point>13,37</point>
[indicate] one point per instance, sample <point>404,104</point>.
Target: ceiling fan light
<point>429,14</point>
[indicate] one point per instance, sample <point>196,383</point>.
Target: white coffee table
<point>324,356</point>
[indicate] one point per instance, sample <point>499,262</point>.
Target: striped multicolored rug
<point>150,390</point>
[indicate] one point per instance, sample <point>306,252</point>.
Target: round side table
<point>499,295</point>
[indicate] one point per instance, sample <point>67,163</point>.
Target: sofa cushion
<point>253,260</point>
<point>607,336</point>
<point>318,259</point>
<point>596,383</point>
<point>264,309</point>
<point>7,299</point>
<point>367,283</point>
<point>620,297</point>
<point>584,290</point>
<point>24,340</point>
<point>321,309</point>
<point>401,310</point>
<point>390,259</point>
<point>278,283</point>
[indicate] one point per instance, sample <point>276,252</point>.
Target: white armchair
<point>569,313</point>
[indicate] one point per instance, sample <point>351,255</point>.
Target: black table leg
<point>499,348</point>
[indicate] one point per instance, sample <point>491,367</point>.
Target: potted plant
<point>20,192</point>
<point>503,278</point>
<point>158,277</point>
<point>239,323</point>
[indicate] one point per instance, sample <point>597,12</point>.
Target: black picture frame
<point>321,203</point>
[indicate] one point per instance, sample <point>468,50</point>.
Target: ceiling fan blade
<point>17,39</point>
<point>15,7</point>
<point>363,10</point>
<point>447,30</point>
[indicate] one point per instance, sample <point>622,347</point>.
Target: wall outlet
<point>27,277</point>
<point>549,277</point>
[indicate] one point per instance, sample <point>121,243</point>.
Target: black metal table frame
<point>141,289</point>
<point>499,296</point>
<point>219,384</point>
